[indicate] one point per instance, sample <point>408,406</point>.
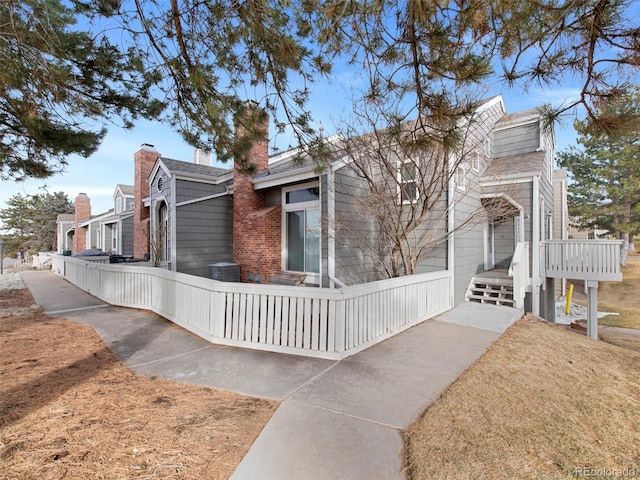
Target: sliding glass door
<point>302,232</point>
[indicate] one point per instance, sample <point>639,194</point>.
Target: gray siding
<point>469,225</point>
<point>190,190</point>
<point>353,228</point>
<point>204,235</point>
<point>357,237</point>
<point>127,236</point>
<point>515,140</point>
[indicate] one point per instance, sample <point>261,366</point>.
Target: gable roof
<point>193,171</point>
<point>189,168</point>
<point>127,190</point>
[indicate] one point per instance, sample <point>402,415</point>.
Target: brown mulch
<point>70,409</point>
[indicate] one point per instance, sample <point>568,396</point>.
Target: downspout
<point>174,230</point>
<point>535,244</point>
<point>331,233</point>
<point>451,238</point>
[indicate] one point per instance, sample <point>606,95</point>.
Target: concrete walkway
<point>337,420</point>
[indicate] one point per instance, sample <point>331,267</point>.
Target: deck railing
<point>584,259</point>
<point>318,322</point>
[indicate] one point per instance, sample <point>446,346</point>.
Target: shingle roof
<point>517,117</point>
<point>296,159</point>
<point>126,189</point>
<point>66,217</point>
<point>178,166</point>
<point>515,166</point>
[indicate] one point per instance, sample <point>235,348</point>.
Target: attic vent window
<point>160,184</point>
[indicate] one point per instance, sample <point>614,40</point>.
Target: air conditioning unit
<point>224,272</point>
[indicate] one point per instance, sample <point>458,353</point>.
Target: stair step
<point>492,281</point>
<point>507,290</point>
<point>492,300</point>
<point>287,278</point>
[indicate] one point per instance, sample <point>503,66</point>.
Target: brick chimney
<point>82,213</point>
<point>143,160</point>
<point>256,227</point>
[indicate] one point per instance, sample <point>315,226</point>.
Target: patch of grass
<point>622,298</point>
<point>543,402</point>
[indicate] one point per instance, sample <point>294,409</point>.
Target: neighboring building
<point>198,198</point>
<point>186,216</point>
<point>65,224</point>
<point>111,231</point>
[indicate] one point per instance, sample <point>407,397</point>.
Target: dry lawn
<point>622,297</point>
<point>542,403</point>
<point>69,409</point>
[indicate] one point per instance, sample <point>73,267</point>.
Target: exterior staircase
<point>494,287</point>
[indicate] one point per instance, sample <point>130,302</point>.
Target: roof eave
<point>284,178</point>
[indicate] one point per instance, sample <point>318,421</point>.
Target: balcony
<point>597,260</point>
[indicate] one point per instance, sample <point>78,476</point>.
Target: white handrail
<point>519,270</point>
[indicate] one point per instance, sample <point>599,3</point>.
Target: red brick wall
<point>257,229</point>
<point>143,160</point>
<point>82,212</point>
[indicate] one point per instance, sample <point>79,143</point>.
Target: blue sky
<point>112,164</point>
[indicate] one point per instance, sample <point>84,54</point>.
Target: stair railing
<point>519,271</point>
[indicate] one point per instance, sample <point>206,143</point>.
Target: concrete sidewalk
<point>337,419</point>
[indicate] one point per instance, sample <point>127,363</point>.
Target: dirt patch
<point>70,409</point>
<point>543,402</point>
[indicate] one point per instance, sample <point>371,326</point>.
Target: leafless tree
<point>402,184</point>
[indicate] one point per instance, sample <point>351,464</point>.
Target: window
<point>487,147</point>
<point>408,182</point>
<point>461,178</point>
<point>160,184</point>
<point>114,239</point>
<point>476,162</point>
<point>118,204</point>
<point>311,194</point>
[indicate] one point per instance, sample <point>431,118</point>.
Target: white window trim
<point>476,162</point>
<point>401,182</point>
<point>461,178</point>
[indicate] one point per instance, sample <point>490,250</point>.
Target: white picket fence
<point>317,322</point>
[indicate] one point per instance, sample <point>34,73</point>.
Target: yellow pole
<point>567,308</point>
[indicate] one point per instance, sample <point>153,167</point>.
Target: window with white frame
<point>487,146</point>
<point>408,176</point>
<point>114,238</point>
<point>476,162</point>
<point>118,204</point>
<point>461,178</point>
